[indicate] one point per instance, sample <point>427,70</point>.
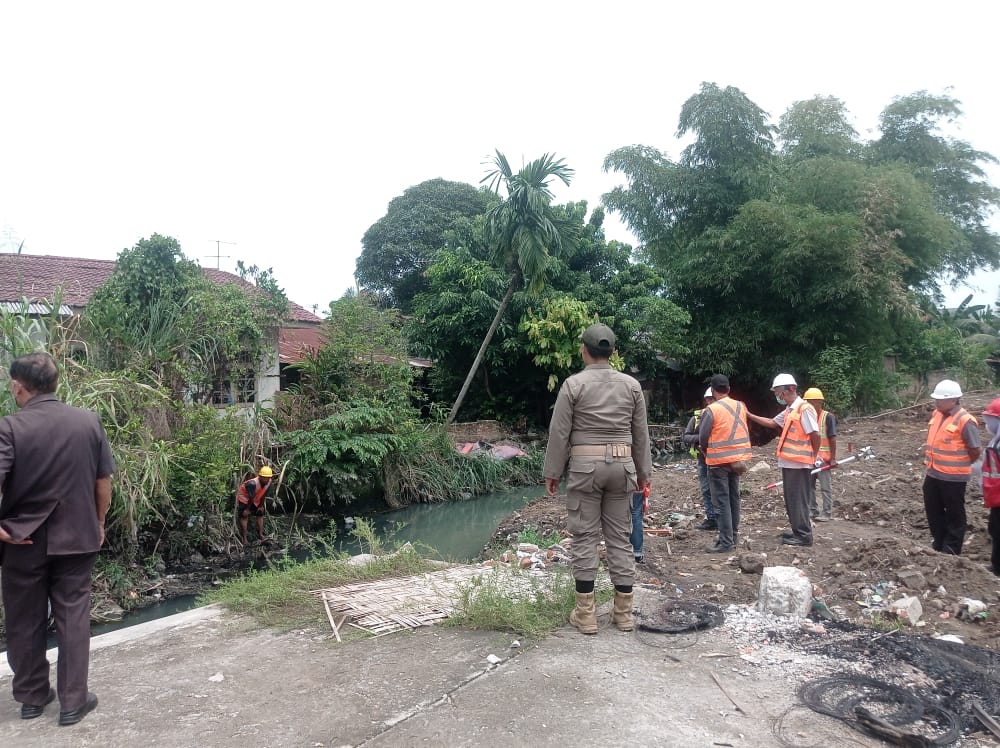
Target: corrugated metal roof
<point>34,308</point>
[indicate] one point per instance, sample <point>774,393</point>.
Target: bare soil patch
<point>865,557</point>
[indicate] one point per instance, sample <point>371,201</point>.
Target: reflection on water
<point>161,609</point>
<point>457,530</point>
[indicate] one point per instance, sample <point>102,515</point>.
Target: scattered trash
<point>907,609</point>
<point>217,678</point>
<point>971,610</point>
<point>496,451</point>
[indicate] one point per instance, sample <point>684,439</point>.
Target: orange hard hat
<point>993,409</point>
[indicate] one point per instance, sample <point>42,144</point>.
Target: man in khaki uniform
<point>599,438</point>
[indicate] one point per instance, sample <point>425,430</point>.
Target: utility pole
<point>218,251</point>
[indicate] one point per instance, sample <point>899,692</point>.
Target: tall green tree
<point>823,243</point>
<point>522,235</point>
<point>817,127</point>
<point>913,134</point>
<point>601,274</point>
<point>397,249</point>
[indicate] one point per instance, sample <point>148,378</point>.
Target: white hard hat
<point>946,390</point>
<point>783,380</point>
<point>708,393</point>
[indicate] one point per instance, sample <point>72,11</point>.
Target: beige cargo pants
<point>597,500</point>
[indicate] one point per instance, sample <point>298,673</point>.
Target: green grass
<point>539,606</point>
<point>508,600</point>
<point>531,535</point>
<point>281,597</point>
<point>884,622</point>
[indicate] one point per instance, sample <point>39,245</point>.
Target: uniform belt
<point>601,450</point>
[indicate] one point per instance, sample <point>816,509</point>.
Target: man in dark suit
<point>55,470</point>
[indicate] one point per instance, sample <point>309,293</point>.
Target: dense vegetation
<point>156,346</point>
<point>796,245</point>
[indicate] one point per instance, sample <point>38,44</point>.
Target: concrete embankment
<point>210,678</point>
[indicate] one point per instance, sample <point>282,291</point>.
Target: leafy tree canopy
<point>397,248</point>
<point>818,127</point>
<point>826,241</point>
<point>592,278</point>
<point>158,314</point>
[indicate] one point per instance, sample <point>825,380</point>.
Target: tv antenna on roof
<point>218,251</point>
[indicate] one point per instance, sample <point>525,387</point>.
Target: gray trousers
<point>725,487</point>
<point>598,499</point>
<point>30,580</point>
<point>826,489</point>
<point>795,482</point>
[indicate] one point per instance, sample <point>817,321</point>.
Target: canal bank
<point>213,678</point>
<point>454,531</point>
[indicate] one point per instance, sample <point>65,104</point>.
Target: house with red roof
<point>41,278</point>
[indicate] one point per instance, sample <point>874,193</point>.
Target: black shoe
<point>73,716</point>
<point>638,560</point>
<point>719,548</point>
<point>708,524</point>
<point>796,541</point>
<point>787,534</point>
<point>30,711</point>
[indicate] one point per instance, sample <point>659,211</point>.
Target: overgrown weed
<point>524,604</point>
<point>281,596</point>
<point>542,540</point>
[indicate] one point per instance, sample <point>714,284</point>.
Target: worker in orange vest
<point>725,440</point>
<point>952,446</point>
<point>250,500</point>
<point>798,450</point>
<point>827,453</point>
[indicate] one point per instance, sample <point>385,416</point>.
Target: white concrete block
<point>785,591</point>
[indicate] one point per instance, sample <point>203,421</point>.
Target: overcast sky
<point>286,128</point>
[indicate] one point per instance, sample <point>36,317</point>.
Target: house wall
<point>269,374</point>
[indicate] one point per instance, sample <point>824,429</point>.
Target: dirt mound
<point>874,551</point>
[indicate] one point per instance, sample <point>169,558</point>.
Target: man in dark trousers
<point>952,446</point>
<point>724,439</point>
<point>55,470</point>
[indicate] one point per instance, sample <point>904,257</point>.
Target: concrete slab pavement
<point>213,679</point>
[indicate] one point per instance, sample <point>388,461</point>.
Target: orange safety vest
<point>729,440</point>
<point>824,439</point>
<point>945,450</point>
<point>795,444</point>
<point>244,497</point>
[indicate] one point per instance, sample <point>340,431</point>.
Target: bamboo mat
<point>388,605</point>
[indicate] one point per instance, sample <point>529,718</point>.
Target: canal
<point>453,531</point>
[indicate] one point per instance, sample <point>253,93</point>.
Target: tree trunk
<point>482,349</point>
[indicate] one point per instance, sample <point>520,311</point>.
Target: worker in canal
<point>250,500</point>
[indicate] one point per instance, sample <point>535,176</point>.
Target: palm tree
<point>522,234</point>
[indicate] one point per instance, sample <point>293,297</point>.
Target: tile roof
<point>38,276</point>
<point>295,342</point>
